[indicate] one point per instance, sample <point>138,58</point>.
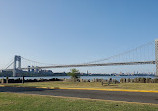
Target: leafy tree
<point>74,74</point>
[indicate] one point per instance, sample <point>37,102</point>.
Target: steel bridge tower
<point>156,56</point>
<point>15,69</point>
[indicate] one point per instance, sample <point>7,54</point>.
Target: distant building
<point>33,70</point>
<point>36,69</point>
<point>28,68</point>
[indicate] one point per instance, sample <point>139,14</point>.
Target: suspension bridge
<point>130,57</point>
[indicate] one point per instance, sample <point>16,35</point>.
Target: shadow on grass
<point>22,89</point>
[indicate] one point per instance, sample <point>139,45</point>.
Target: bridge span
<point>88,65</point>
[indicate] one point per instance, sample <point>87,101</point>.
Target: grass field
<point>130,86</point>
<point>24,102</point>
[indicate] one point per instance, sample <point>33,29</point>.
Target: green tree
<point>74,74</point>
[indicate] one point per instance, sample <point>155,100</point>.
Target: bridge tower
<point>16,59</point>
<point>156,56</point>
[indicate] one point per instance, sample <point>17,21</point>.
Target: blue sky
<point>74,31</point>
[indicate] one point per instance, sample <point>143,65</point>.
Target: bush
<point>74,74</point>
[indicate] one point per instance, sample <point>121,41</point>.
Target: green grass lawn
<point>130,86</point>
<point>24,102</point>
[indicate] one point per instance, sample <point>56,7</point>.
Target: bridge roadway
<point>89,65</point>
<point>142,97</point>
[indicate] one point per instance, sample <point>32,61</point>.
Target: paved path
<point>142,97</point>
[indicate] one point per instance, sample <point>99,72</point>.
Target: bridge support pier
<point>156,56</point>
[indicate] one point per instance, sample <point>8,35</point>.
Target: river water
<point>85,77</point>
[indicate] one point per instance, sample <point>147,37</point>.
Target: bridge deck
<point>89,65</point>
